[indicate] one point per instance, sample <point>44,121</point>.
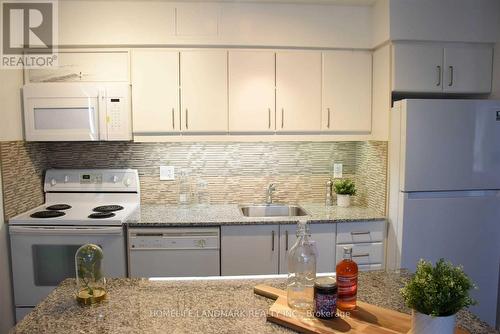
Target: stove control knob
<point>53,182</point>
<point>127,182</point>
<point>115,179</point>
<point>66,179</point>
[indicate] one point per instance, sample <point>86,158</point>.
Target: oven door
<point>42,257</point>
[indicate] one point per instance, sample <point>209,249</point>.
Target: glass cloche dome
<point>90,282</point>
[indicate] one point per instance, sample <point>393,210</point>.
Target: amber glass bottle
<point>347,281</point>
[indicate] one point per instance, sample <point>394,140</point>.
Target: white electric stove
<point>87,197</point>
<point>81,206</point>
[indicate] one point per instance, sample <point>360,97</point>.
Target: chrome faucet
<point>269,193</point>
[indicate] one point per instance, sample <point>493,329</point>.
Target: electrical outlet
<point>337,171</point>
<point>167,173</point>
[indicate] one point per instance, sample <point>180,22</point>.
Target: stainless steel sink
<point>272,210</point>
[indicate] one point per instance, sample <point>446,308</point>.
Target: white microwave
<point>77,111</point>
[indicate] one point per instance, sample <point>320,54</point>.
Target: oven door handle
<point>44,230</point>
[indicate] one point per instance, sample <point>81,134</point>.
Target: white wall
<point>92,23</point>
<point>6,302</point>
<point>380,22</point>
<point>445,20</point>
<point>10,105</point>
<point>381,97</point>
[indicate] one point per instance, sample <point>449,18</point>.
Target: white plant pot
<point>426,324</point>
<point>344,200</point>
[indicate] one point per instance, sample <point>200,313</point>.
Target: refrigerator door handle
<point>453,194</point>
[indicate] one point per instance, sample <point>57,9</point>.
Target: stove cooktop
<point>76,214</point>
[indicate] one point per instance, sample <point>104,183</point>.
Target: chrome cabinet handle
<point>359,233</point>
<point>282,117</point>
<point>187,115</point>
<point>272,241</point>
<point>328,122</point>
<point>361,255</point>
<point>451,76</point>
<point>439,75</point>
<point>286,240</point>
<point>173,118</point>
<point>269,118</point>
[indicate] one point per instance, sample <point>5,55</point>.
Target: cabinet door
<point>155,91</point>
<point>298,91</point>
<point>322,234</point>
<point>204,91</point>
<point>468,69</point>
<point>251,91</point>
<point>347,91</point>
<point>417,68</point>
<point>85,67</point>
<point>249,249</point>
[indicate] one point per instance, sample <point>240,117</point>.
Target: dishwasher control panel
<point>174,238</point>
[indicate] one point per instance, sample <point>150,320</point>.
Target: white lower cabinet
<point>364,254</point>
<point>367,242</point>
<point>262,249</point>
<point>322,234</point>
<point>249,249</point>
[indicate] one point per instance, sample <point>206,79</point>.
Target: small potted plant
<point>344,189</point>
<point>436,294</point>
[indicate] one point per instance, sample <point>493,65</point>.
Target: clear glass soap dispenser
<point>301,270</point>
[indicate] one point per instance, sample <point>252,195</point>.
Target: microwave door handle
<point>102,114</point>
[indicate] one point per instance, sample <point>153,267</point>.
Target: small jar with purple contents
<point>325,297</point>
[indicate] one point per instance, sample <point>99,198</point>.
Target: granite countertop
<point>194,306</point>
<point>229,214</point>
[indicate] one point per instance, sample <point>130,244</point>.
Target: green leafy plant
<point>440,290</point>
<point>345,187</point>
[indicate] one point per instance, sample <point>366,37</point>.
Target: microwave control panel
<point>118,118</point>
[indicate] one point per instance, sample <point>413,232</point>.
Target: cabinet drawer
<point>348,233</point>
<point>369,253</point>
<point>369,267</point>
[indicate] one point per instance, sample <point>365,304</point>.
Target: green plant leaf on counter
<point>440,290</point>
<point>345,187</point>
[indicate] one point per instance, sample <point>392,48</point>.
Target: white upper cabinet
<point>347,91</point>
<point>417,68</point>
<point>468,69</point>
<point>298,91</point>
<point>155,91</point>
<point>204,91</point>
<point>431,68</point>
<point>85,67</point>
<point>251,91</point>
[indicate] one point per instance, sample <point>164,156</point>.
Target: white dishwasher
<point>174,252</point>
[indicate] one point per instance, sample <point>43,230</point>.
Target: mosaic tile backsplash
<point>235,172</point>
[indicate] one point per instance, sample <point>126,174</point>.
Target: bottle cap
<point>325,283</point>
<point>347,250</point>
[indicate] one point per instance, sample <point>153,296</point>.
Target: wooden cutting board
<point>366,319</point>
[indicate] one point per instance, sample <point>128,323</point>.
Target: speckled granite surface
<point>229,214</point>
<point>228,306</point>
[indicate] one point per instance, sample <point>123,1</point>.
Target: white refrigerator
<point>444,196</point>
